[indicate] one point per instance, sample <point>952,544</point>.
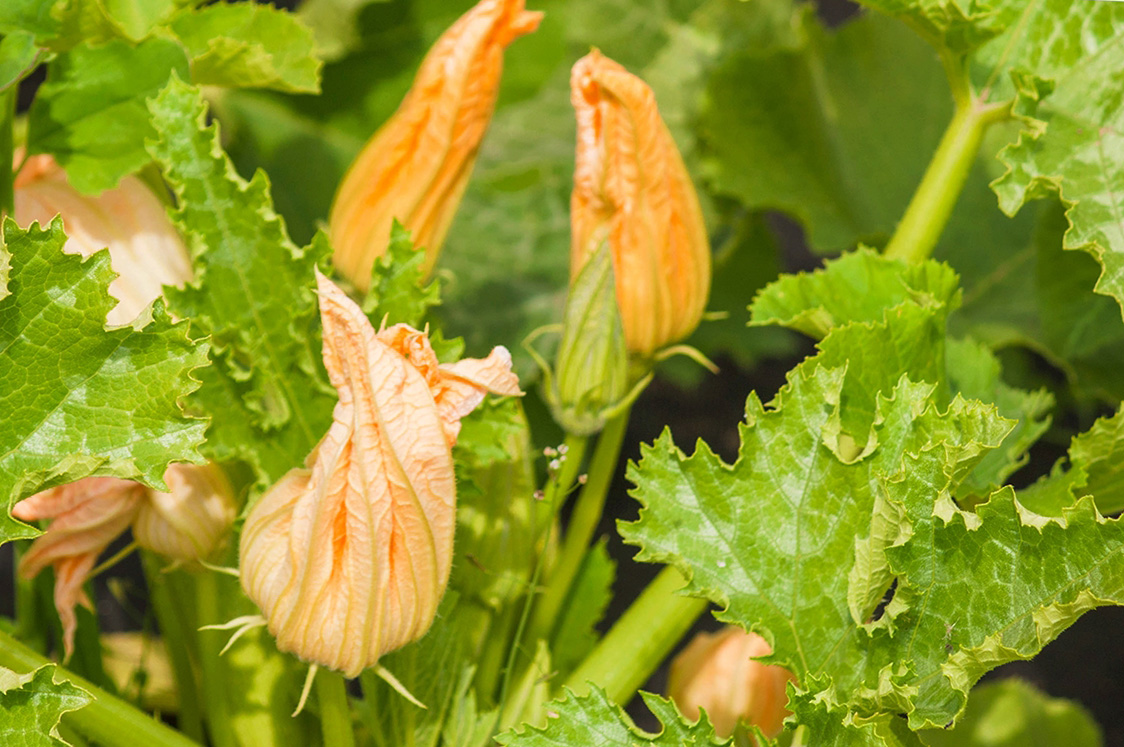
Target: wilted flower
<point>632,189</point>
<point>349,558</point>
<point>716,672</point>
<point>191,520</point>
<point>144,248</point>
<point>188,523</point>
<point>416,167</point>
<point>86,516</point>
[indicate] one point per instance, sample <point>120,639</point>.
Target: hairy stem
<point>929,210</point>
<point>583,524</point>
<point>641,639</point>
<point>107,720</point>
<point>217,699</point>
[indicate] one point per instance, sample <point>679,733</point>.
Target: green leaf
<point>79,399</point>
<point>593,720</point>
<point>246,45</point>
<point>773,562</point>
<point>576,630</point>
<point>32,704</point>
<point>18,56</point>
<point>974,372</point>
<point>398,291</point>
<point>1096,468</point>
<point>252,293</point>
<point>1011,713</point>
<point>817,708</point>
<point>91,114</point>
<point>861,286</point>
<point>836,131</point>
<point>334,24</point>
<point>1078,157</point>
<point>36,17</point>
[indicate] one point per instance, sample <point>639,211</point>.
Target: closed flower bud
<point>190,521</point>
<point>86,516</point>
<point>349,558</point>
<point>632,189</point>
<point>145,250</point>
<point>416,167</point>
<point>716,672</point>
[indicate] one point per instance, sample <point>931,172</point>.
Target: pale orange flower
<point>716,672</point>
<point>86,516</point>
<point>348,559</point>
<point>189,523</point>
<point>416,167</point>
<point>631,187</point>
<point>145,250</point>
<point>192,519</point>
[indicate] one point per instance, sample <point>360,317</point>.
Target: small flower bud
<point>191,521</point>
<point>632,189</point>
<point>145,250</point>
<point>348,559</point>
<point>416,167</point>
<point>717,673</point>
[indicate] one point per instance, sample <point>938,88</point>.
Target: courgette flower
<point>718,673</point>
<point>187,524</point>
<point>416,167</point>
<point>349,558</point>
<point>145,249</point>
<point>632,189</point>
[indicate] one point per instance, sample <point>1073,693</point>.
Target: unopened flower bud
<point>348,559</point>
<point>416,167</point>
<point>717,673</point>
<point>191,520</point>
<point>145,250</point>
<point>632,190</point>
<point>590,379</point>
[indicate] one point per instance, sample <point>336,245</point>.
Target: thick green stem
<point>928,212</point>
<point>7,147</point>
<point>583,524</point>
<point>641,639</point>
<point>107,720</point>
<point>216,698</point>
<point>335,713</point>
<point>177,629</point>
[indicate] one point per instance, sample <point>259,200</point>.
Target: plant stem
<point>641,639</point>
<point>335,713</point>
<point>583,524</point>
<point>7,147</point>
<point>928,212</point>
<point>107,720</point>
<point>217,700</point>
<point>177,629</point>
<point>554,495</point>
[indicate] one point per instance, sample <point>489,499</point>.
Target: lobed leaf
<point>80,399</point>
<point>32,704</point>
<point>252,293</point>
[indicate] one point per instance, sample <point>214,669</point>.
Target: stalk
<point>583,524</point>
<point>7,147</point>
<point>216,699</point>
<point>641,639</point>
<point>929,209</point>
<point>176,623</point>
<point>335,713</point>
<point>107,720</point>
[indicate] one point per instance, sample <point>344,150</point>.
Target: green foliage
<point>18,56</point>
<point>593,719</point>
<point>80,399</point>
<point>576,630</point>
<point>247,45</point>
<point>835,129</point>
<point>1011,713</point>
<point>91,114</point>
<point>398,291</point>
<point>252,293</point>
<point>32,704</point>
